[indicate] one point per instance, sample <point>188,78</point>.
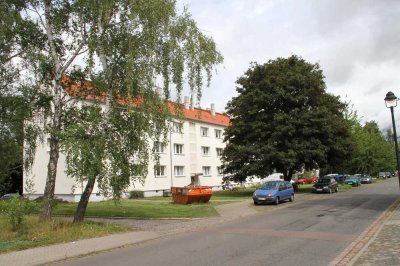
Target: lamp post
<point>391,102</point>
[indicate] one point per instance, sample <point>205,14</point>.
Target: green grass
<point>37,233</point>
<point>143,208</point>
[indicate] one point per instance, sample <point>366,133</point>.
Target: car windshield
<point>352,178</point>
<point>270,185</point>
<point>324,180</point>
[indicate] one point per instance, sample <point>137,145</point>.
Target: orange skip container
<point>189,194</point>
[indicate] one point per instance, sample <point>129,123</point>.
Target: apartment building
<point>192,154</point>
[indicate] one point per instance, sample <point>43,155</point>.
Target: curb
<point>350,255</point>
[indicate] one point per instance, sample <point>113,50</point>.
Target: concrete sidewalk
<point>379,244</point>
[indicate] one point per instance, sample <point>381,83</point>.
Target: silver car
<point>366,179</point>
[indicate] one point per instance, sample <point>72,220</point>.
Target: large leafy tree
<point>123,47</point>
<point>283,120</point>
<point>373,152</point>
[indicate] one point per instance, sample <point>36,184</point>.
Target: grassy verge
<point>37,233</point>
<point>143,208</point>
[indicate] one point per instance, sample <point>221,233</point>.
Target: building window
<point>177,127</point>
<point>178,148</point>
<point>206,170</point>
<point>219,170</point>
<point>218,133</point>
<point>219,151</point>
<point>159,147</point>
<point>205,151</point>
<point>159,170</point>
<point>204,131</point>
<point>178,170</point>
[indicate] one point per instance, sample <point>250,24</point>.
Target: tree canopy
<point>373,152</point>
<point>283,120</point>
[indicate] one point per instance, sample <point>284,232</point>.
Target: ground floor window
<point>206,170</point>
<point>178,170</point>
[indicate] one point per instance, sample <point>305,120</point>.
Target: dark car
<point>274,192</point>
<point>327,184</point>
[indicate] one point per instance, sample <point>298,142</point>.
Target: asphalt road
<point>308,233</point>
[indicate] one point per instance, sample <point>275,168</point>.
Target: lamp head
<point>390,100</point>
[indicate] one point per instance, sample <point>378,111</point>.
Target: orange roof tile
<point>196,114</point>
<point>201,115</point>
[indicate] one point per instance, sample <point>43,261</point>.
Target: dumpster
<point>189,194</point>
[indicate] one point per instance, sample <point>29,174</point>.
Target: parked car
<point>366,179</point>
<point>353,180</point>
<point>230,186</point>
<point>307,180</point>
<point>272,177</point>
<point>274,192</point>
<point>327,184</point>
<point>384,175</point>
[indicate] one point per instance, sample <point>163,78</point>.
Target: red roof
<point>196,114</point>
<point>201,115</point>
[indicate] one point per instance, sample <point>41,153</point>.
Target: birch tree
<point>122,47</point>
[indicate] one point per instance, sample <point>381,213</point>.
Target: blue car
<point>353,180</point>
<point>274,192</point>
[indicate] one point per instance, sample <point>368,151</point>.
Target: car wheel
<point>255,203</point>
<point>291,199</point>
<point>277,201</point>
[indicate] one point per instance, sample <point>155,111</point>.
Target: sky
<point>356,43</point>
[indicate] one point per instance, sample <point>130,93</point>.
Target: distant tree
<point>283,119</point>
<point>122,47</point>
<point>373,152</point>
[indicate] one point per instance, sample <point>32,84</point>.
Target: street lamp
<point>391,102</point>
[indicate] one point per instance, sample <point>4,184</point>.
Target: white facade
<point>193,150</point>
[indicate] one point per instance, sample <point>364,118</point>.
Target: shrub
<point>136,194</point>
<point>15,209</point>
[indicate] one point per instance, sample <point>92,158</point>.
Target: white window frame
<point>218,133</point>
<point>160,170</point>
<point>178,149</point>
<point>219,151</point>
<point>206,170</point>
<point>204,131</point>
<point>159,147</point>
<point>205,150</point>
<point>179,170</point>
<point>219,170</point>
<point>177,127</point>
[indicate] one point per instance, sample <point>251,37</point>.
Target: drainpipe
<point>170,156</point>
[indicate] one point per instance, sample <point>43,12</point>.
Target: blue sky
<point>357,44</point>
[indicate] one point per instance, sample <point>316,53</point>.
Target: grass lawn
<point>143,208</point>
<point>38,233</point>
